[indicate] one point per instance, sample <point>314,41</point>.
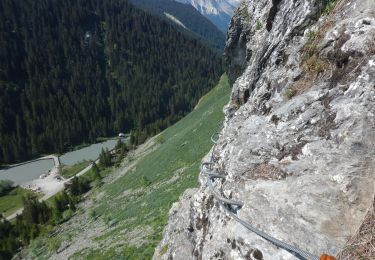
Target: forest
<point>75,70</point>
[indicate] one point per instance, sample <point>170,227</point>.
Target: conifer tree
<point>96,173</point>
<point>63,83</point>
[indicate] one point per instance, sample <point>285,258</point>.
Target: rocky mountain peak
<point>298,142</point>
<point>218,11</point>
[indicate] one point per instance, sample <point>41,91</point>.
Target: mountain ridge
<point>217,11</point>
<point>196,24</point>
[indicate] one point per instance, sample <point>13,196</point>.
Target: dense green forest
<point>197,25</point>
<point>74,70</point>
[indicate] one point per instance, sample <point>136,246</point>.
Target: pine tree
<point>75,188</point>
<point>95,171</point>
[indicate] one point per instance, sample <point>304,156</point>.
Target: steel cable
<point>228,204</point>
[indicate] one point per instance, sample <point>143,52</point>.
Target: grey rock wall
<point>218,12</point>
<point>298,142</point>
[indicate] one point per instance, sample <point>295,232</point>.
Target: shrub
<point>316,65</point>
<point>54,243</point>
<point>310,48</point>
<point>244,12</point>
<point>312,61</point>
<point>105,158</point>
<point>107,218</point>
<point>68,214</point>
<point>93,213</point>
<point>160,139</point>
<point>5,186</point>
<point>290,93</point>
<point>79,186</point>
<point>258,26</point>
<point>97,183</point>
<point>163,250</point>
<point>329,6</point>
<point>146,181</point>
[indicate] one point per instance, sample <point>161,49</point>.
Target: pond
<point>31,171</point>
<point>26,172</point>
<point>88,153</point>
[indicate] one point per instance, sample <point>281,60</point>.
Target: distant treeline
<point>74,70</point>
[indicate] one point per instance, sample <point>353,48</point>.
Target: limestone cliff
<point>298,141</point>
<point>218,12</point>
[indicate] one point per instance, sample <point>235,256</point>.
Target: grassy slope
<point>12,201</point>
<point>69,171</point>
<point>135,206</point>
<point>182,147</point>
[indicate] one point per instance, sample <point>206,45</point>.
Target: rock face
<point>298,141</point>
<point>218,11</point>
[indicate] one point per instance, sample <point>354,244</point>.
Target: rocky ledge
<point>298,141</point>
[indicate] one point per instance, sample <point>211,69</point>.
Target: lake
<point>31,171</point>
<point>26,172</point>
<point>88,153</point>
